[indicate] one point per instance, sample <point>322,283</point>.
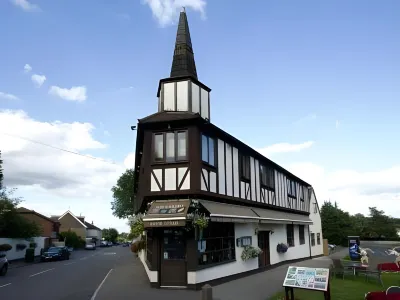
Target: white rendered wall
<point>153,275</point>
<point>316,227</point>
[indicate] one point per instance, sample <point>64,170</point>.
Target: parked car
<point>103,244</point>
<point>125,245</point>
<point>109,244</point>
<point>3,264</point>
<point>55,253</point>
<point>90,246</point>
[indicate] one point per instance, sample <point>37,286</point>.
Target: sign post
<point>315,279</point>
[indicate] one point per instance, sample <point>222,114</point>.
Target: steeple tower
<point>182,91</point>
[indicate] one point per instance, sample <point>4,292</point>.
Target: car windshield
<point>53,249</point>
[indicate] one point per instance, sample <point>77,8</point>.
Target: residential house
<point>187,167</point>
<point>85,230</point>
<point>50,228</point>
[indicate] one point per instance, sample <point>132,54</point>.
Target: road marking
<point>109,253</point>
<point>70,263</point>
<point>42,272</point>
<point>1,286</point>
<point>101,284</point>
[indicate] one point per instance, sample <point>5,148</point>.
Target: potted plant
<point>250,252</point>
<point>3,249</point>
<point>282,248</point>
<point>200,222</point>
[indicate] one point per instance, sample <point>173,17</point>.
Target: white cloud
<point>75,93</point>
<point>26,5</point>
<point>166,11</point>
<point>354,191</point>
<point>51,180</point>
<point>38,80</point>
<point>8,96</point>
<point>284,148</point>
<point>27,68</point>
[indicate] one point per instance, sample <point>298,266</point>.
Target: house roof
<point>91,226</point>
<point>23,210</point>
<point>183,63</point>
<point>69,212</point>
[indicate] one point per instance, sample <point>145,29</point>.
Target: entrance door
<point>173,258</point>
<point>263,244</point>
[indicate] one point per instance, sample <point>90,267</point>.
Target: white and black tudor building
<point>185,165</point>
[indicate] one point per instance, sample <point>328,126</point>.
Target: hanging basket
<point>282,248</point>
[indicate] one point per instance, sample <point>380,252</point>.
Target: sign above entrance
<point>164,223</point>
<point>167,213</point>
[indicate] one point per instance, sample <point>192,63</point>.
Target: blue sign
<point>354,249</point>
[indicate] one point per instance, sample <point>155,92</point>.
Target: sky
<point>313,85</point>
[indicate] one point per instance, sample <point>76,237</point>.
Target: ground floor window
<point>174,244</point>
<point>312,239</point>
<point>290,235</point>
<point>149,246</point>
<point>301,235</point>
<point>217,245</point>
<point>318,238</point>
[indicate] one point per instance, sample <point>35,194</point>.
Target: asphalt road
<point>79,278</point>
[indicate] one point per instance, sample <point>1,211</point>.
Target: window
<point>174,244</point>
<point>170,146</point>
<point>149,246</point>
<point>318,238</point>
<point>245,167</point>
<point>207,150</point>
<point>267,177</point>
<point>302,193</point>
<point>291,186</point>
<point>217,245</point>
<point>290,235</point>
<point>301,235</point>
<point>315,207</point>
<point>312,239</point>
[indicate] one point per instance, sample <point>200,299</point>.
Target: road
<point>77,278</point>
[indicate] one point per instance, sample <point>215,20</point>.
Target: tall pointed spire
<point>183,62</point>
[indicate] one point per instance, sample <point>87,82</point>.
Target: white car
<point>90,246</point>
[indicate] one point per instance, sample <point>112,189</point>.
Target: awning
<point>272,216</point>
<point>167,213</point>
<point>222,212</point>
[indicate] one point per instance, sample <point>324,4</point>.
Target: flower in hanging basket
<point>200,221</point>
<point>282,248</point>
<point>250,252</point>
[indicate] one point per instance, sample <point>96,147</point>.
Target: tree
<point>381,226</point>
<point>12,224</point>
<point>110,234</point>
<point>123,203</point>
<point>123,237</point>
<point>1,172</point>
<point>71,239</point>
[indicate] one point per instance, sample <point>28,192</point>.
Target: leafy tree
<point>381,226</point>
<point>136,225</point>
<point>123,237</point>
<point>123,203</point>
<point>110,234</point>
<point>12,224</point>
<point>71,239</point>
<point>1,172</point>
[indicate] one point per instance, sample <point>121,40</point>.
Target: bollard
<point>206,292</point>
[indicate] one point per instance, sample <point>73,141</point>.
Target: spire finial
<point>183,9</point>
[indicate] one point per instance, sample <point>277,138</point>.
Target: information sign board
<point>307,278</point>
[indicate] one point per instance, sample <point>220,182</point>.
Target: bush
<point>20,247</point>
<point>32,245</point>
<point>72,239</point>
<point>5,247</point>
<point>138,246</point>
<point>30,255</point>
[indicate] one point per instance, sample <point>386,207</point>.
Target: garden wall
<point>18,254</point>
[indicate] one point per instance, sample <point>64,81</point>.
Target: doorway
<point>263,244</point>
<point>173,258</point>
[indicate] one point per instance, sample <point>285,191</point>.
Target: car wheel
<point>3,270</point>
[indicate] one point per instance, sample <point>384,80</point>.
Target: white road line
<point>1,286</point>
<point>101,284</point>
<point>70,263</point>
<point>41,272</point>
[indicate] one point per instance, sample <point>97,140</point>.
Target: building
<point>49,227</point>
<point>85,230</point>
<point>189,169</point>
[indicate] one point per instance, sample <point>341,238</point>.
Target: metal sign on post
<point>315,279</point>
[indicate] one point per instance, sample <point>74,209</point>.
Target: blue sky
<point>282,73</point>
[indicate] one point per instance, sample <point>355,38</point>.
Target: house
<point>85,230</point>
<point>50,228</point>
<point>189,170</point>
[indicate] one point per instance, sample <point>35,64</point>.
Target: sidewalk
<point>18,263</point>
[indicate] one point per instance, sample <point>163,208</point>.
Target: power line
<point>57,148</point>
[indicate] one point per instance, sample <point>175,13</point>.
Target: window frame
<point>302,193</point>
<point>208,150</point>
<point>177,158</point>
<point>230,237</point>
<point>290,235</point>
<point>315,207</point>
<point>318,238</point>
<point>244,167</point>
<point>290,184</point>
<point>269,174</point>
<point>302,237</point>
<point>312,236</point>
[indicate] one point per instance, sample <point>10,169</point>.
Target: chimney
<point>92,222</point>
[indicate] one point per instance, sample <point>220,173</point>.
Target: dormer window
<point>170,146</point>
<point>291,187</point>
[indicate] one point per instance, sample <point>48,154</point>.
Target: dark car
<point>55,253</point>
<point>3,264</point>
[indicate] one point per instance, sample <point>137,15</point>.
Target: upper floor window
<point>170,146</point>
<point>267,177</point>
<point>302,193</point>
<point>245,167</point>
<point>207,150</point>
<point>291,186</point>
<point>315,207</point>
